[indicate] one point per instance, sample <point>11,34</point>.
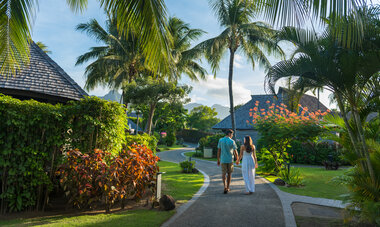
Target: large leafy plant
<point>278,127</point>
<point>89,179</point>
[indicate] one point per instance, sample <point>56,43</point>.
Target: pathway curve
<point>213,208</point>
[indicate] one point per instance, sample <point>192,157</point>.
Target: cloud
<point>216,91</point>
<point>238,61</point>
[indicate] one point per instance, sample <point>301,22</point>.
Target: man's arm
<point>236,154</point>
<point>218,155</point>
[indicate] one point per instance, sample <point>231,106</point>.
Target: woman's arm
<point>254,156</point>
<point>241,155</point>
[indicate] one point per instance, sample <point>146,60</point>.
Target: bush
<point>192,136</point>
<point>98,176</point>
<point>315,153</point>
<point>170,139</point>
<point>267,159</point>
<point>33,135</point>
<point>144,139</point>
<point>187,166</point>
<point>292,176</point>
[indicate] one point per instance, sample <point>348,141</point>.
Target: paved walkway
<point>213,208</point>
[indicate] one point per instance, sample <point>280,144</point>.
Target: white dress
<point>248,169</point>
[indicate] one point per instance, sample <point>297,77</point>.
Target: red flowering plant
<point>98,177</point>
<point>278,127</point>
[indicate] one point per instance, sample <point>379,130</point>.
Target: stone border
<point>287,199</point>
<point>196,196</point>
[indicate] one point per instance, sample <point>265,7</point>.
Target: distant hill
<point>112,96</point>
<point>191,106</point>
<point>222,111</point>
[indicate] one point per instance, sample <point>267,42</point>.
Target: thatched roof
<point>242,114</point>
<point>42,79</point>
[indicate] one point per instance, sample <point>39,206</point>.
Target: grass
<point>166,148</point>
<point>190,154</point>
<point>317,183</point>
<point>180,186</point>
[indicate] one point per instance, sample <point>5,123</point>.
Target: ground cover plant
<point>181,186</point>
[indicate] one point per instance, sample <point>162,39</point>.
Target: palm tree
<point>239,34</point>
<point>118,61</point>
<point>183,57</point>
<point>147,17</point>
<point>43,47</point>
<point>344,71</point>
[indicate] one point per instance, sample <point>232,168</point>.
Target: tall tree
<point>344,71</point>
<point>202,118</point>
<point>118,61</point>
<point>151,91</point>
<point>253,39</point>
<point>183,57</point>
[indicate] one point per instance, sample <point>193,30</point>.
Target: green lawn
<point>180,186</point>
<point>166,148</point>
<point>317,183</point>
<point>190,154</point>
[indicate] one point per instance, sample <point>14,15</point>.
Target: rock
<point>167,202</point>
<point>279,181</point>
<point>195,170</point>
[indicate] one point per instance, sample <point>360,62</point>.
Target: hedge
<point>147,140</point>
<point>33,135</point>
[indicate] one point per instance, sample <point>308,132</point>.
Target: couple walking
<point>227,149</point>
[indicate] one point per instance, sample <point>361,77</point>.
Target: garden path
<point>213,208</point>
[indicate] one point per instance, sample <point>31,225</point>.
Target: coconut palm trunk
<point>230,91</point>
<point>148,128</point>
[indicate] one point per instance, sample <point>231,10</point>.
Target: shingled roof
<point>242,114</point>
<point>42,79</point>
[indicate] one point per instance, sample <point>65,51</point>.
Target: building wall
<point>240,134</point>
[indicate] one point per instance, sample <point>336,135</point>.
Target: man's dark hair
<point>229,131</point>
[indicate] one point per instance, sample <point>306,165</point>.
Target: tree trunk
<point>150,118</point>
<point>349,129</point>
<point>230,75</point>
<point>363,143</point>
<point>137,123</point>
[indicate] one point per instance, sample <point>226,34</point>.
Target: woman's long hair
<point>248,144</point>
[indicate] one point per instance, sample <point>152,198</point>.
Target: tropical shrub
<point>170,139</point>
<point>291,176</point>
<point>278,127</point>
<point>143,139</point>
<point>187,166</point>
<point>315,153</point>
<point>364,196</point>
<point>99,176</point>
<point>266,158</point>
<point>33,136</point>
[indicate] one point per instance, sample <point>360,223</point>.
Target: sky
<point>54,25</point>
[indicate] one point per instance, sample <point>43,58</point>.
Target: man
<point>226,152</point>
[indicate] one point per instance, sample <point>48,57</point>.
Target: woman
<point>248,153</point>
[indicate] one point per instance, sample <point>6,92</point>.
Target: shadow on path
<point>213,208</point>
